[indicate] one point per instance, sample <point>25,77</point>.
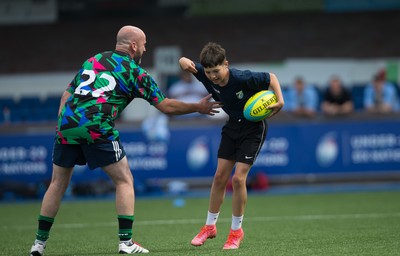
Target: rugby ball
<point>256,109</point>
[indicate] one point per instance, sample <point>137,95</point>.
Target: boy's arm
<point>187,65</point>
<point>276,87</point>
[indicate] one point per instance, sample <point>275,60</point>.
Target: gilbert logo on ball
<point>256,108</point>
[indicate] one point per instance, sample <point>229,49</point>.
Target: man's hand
<point>208,107</point>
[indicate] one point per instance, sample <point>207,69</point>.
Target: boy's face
<point>219,74</point>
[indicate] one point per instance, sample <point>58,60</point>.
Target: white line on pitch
<point>195,221</point>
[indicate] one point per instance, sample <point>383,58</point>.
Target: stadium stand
<point>63,46</point>
<point>246,38</point>
<point>29,109</point>
<point>318,35</point>
<point>35,110</point>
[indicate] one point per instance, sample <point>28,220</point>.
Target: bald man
<point>85,134</point>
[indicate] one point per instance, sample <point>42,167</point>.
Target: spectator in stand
<point>380,96</point>
<point>302,99</point>
<point>337,99</point>
<point>6,115</point>
<point>188,90</point>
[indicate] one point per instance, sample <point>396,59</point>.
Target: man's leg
<point>54,194</point>
<point>122,178</point>
<point>121,175</point>
<point>51,203</point>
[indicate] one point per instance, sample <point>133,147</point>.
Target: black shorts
<point>242,140</point>
<point>95,155</point>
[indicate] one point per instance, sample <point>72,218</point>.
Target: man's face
<point>335,86</point>
<point>299,85</point>
<point>378,85</point>
<point>140,49</point>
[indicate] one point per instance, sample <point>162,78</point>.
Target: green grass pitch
<point>314,224</point>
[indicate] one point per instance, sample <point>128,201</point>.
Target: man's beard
<point>137,59</point>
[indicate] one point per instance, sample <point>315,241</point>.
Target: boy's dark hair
<point>212,55</point>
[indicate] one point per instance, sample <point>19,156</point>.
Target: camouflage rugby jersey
<point>103,87</point>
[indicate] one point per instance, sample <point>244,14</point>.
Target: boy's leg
<point>239,195</point>
<point>217,196</point>
<point>218,187</point>
<point>239,199</point>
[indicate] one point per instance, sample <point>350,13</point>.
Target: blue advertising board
<point>25,158</point>
<point>340,148</point>
<point>290,149</point>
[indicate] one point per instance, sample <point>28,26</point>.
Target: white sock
<point>212,218</point>
<point>236,222</point>
<point>127,242</point>
<point>40,241</point>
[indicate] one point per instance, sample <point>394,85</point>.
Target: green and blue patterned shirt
<point>103,87</point>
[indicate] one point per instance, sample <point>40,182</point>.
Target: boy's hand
<point>276,108</point>
<point>187,65</point>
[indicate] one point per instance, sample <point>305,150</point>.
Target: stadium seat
<point>52,101</point>
<point>6,101</point>
<point>357,91</point>
<point>50,107</point>
<point>27,109</point>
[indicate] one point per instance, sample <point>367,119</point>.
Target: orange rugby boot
<point>234,239</point>
<point>206,232</point>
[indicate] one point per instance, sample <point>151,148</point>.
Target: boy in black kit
<point>241,140</point>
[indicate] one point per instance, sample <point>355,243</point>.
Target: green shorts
<point>95,155</point>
